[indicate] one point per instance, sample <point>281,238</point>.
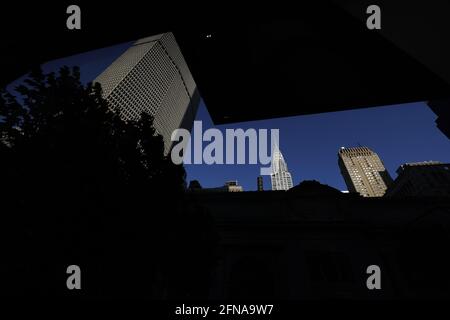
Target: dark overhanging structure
<point>260,63</point>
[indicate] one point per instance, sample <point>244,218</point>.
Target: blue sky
<point>398,133</point>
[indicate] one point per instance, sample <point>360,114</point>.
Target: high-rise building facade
<point>363,171</point>
<point>152,76</point>
<point>280,176</point>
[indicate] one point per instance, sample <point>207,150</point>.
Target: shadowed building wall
<point>428,178</point>
<point>312,243</point>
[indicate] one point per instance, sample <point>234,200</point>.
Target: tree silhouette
<point>80,185</point>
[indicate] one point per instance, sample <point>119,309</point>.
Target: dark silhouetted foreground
<point>81,186</point>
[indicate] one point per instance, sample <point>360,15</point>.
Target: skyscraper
<point>363,171</point>
<point>152,76</point>
<point>281,177</point>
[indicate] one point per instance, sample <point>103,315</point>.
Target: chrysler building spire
<point>281,177</point>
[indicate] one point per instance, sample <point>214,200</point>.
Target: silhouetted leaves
<point>80,185</point>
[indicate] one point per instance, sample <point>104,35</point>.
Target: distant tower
<point>363,171</point>
<point>281,178</point>
<point>260,183</point>
<point>152,76</point>
<point>233,186</point>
